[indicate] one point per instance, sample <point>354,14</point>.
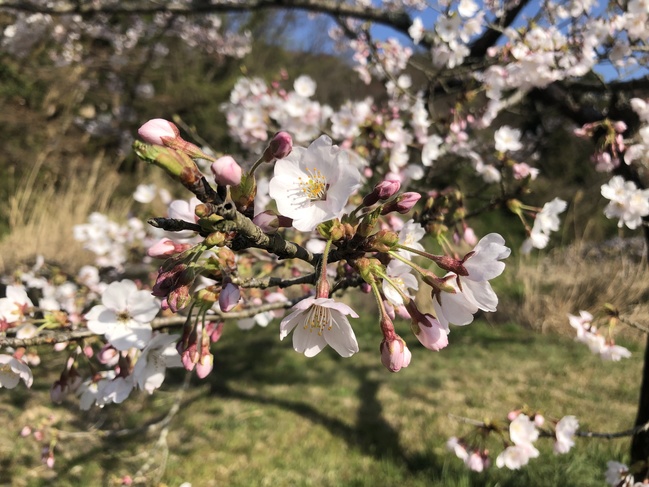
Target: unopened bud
<point>395,354</point>
<point>215,239</point>
<point>403,204</point>
<point>205,365</point>
<point>229,297</point>
<point>157,130</point>
<point>226,171</point>
<point>382,191</point>
<point>280,146</point>
<point>382,241</point>
<point>166,247</point>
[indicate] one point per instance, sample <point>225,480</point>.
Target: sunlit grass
<point>269,416</point>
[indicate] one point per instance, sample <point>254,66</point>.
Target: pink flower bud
<point>38,435</point>
<point>382,191</point>
<point>430,333</point>
<point>406,201</point>
<point>214,330</point>
<point>108,355</point>
<point>619,126</point>
<point>226,171</point>
<point>154,131</point>
<point>268,221</point>
<point>229,297</point>
<point>189,357</point>
<point>281,145</point>
<point>403,204</point>
<point>26,431</point>
<point>205,365</point>
<point>163,248</point>
<point>539,420</point>
<point>395,354</point>
<point>512,415</point>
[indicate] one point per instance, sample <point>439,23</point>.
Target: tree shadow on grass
<point>371,434</point>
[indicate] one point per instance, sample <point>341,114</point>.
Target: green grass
<point>269,416</point>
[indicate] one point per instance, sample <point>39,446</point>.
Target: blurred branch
<point>399,20</point>
<point>266,282</point>
<point>633,324</point>
<point>51,337</point>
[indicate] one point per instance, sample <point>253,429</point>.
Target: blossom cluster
<point>523,431</point>
<point>588,334</point>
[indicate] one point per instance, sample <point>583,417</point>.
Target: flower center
<point>315,187</point>
<point>123,316</point>
<point>319,318</point>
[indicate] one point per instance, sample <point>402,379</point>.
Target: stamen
<point>319,318</point>
<point>315,187</point>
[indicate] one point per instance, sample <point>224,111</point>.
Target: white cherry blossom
<point>125,315</point>
<point>12,371</point>
<point>318,322</point>
<point>564,433</point>
<point>159,354</point>
<point>312,185</point>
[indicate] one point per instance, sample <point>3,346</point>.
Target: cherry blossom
<point>318,322</point>
<point>15,305</point>
<point>124,316</point>
<point>159,354</point>
<point>564,433</point>
<point>546,222</point>
<point>628,203</point>
<point>400,275</point>
<point>312,185</point>
<point>12,371</point>
<point>508,139</point>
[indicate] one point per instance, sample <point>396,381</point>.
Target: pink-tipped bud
<point>382,191</point>
<point>406,201</point>
<point>157,130</point>
<point>205,365</point>
<point>619,126</point>
<point>163,248</point>
<point>403,204</point>
<point>539,420</point>
<point>214,330</point>
<point>226,171</point>
<point>229,297</point>
<point>268,221</point>
<point>280,145</point>
<point>395,354</point>
<point>26,431</point>
<point>512,415</point>
<point>189,357</point>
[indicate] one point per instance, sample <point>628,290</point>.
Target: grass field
<point>269,416</point>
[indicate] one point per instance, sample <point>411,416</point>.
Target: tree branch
<point>399,20</point>
<point>51,337</point>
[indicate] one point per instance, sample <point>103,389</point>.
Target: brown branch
<point>480,46</point>
<point>266,282</point>
<point>399,20</point>
<point>51,337</point>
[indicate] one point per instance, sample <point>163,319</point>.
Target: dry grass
<point>578,277</point>
<point>42,214</point>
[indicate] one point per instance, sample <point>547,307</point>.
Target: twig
<point>633,324</point>
<point>61,336</point>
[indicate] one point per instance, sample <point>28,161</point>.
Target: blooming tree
<point>346,194</point>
